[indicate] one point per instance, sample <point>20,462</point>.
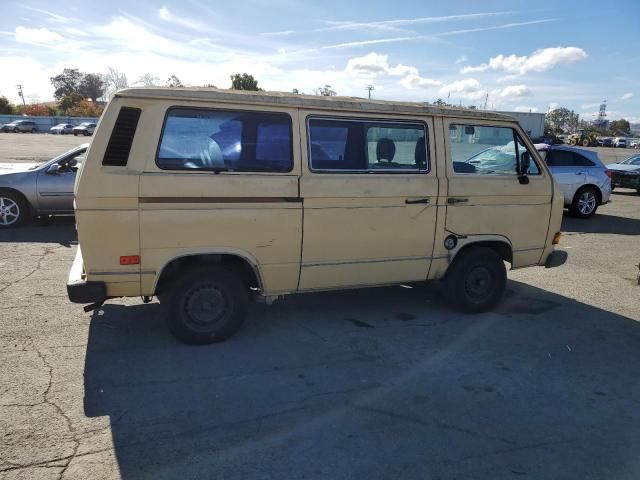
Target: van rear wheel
<point>476,280</point>
<point>206,305</point>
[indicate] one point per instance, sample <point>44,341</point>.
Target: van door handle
<point>409,201</point>
<point>453,201</point>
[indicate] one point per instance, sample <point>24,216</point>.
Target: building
<point>532,123</point>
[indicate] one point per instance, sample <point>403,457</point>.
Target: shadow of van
<point>375,383</point>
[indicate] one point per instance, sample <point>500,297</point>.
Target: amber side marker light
<point>556,238</point>
<point>130,260</point>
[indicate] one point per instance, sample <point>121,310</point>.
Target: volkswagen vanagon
<point>201,197</point>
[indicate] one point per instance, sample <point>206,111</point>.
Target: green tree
<point>5,106</point>
<point>621,125</point>
<point>70,101</point>
<point>66,83</point>
<point>244,81</point>
<point>92,86</point>
<point>174,81</point>
<point>326,91</point>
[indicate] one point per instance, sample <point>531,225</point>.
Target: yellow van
<point>201,197</point>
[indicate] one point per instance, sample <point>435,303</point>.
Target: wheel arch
<point>30,207</point>
<point>244,265</point>
<point>500,245</point>
<point>592,186</point>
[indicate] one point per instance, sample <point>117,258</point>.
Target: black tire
<point>206,305</point>
<point>586,195</point>
<point>75,134</point>
<point>15,130</point>
<point>33,130</point>
<point>85,133</point>
<point>22,210</point>
<point>476,280</point>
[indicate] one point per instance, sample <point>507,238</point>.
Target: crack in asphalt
<point>47,251</point>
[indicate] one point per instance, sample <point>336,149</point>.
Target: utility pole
<point>21,95</point>
<point>486,98</point>
<point>371,88</point>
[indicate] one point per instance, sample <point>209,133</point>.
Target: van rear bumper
<point>79,289</point>
<point>556,258</point>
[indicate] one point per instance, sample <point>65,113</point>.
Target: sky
<point>513,55</point>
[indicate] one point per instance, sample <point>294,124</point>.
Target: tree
<point>244,82</point>
<point>69,101</point>
<point>66,83</point>
<point>560,120</point>
<point>36,110</point>
<point>92,86</point>
<point>326,91</point>
<point>5,106</point>
<point>115,80</point>
<point>148,80</point>
<point>621,125</point>
<point>85,108</point>
<point>174,81</point>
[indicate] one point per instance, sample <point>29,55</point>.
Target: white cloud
<point>374,64</point>
<point>523,108</point>
<point>52,17</point>
<point>495,27</point>
<point>413,80</point>
<point>626,96</point>
<point>462,59</point>
<point>462,86</point>
<point>167,16</point>
<point>393,25</point>
<point>282,33</point>
<point>539,61</point>
<point>553,106</point>
<point>38,36</point>
<point>362,43</point>
<point>515,91</point>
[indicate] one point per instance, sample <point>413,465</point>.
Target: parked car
<point>377,201</point>
<point>605,142</point>
<point>20,126</point>
<point>635,144</point>
<point>620,142</point>
<point>62,129</point>
<point>85,128</point>
<point>47,188</point>
<point>583,178</point>
<point>626,174</point>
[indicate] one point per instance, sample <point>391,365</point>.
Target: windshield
<point>635,160</point>
<point>69,153</point>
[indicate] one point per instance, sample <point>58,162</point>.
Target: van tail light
<point>130,260</point>
<point>607,173</point>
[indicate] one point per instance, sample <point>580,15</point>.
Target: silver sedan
<point>43,189</point>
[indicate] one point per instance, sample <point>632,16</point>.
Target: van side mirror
<point>72,163</point>
<point>54,169</point>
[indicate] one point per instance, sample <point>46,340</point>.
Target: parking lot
<point>383,383</point>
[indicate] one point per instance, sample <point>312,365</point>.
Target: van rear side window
<point>225,140</point>
<point>119,146</point>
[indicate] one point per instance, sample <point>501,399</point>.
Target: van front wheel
<point>206,305</point>
<point>476,280</point>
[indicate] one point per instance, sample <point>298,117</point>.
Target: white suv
<point>620,142</point>
<point>583,178</point>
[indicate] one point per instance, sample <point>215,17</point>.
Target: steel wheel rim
<point>9,211</point>
<point>586,203</point>
<point>478,283</point>
<point>206,307</point>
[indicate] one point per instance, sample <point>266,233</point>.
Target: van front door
<point>370,194</point>
<point>487,197</point>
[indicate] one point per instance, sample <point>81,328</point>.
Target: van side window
<point>483,150</point>
<point>239,141</point>
<point>366,146</point>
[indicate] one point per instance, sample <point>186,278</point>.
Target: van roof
<point>300,100</point>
